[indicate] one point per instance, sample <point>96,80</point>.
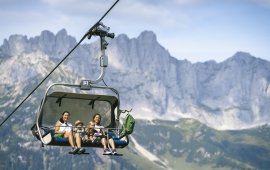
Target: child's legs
<point>78,139</point>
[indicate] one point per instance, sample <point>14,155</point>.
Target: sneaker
<point>81,150</point>
<point>107,152</point>
<point>114,152</point>
<point>75,150</point>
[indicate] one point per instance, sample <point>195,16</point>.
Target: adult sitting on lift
<point>98,129</point>
<point>64,129</point>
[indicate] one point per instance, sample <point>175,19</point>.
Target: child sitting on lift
<point>80,130</point>
<point>93,132</point>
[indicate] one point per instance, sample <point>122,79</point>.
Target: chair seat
<point>60,141</point>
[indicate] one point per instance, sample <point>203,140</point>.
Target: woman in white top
<point>97,119</point>
<point>64,129</point>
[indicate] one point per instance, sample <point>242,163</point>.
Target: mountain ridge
<point>231,94</point>
<point>185,101</point>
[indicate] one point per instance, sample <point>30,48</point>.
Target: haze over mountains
<point>233,94</point>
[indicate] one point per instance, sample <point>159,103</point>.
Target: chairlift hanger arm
<point>102,31</point>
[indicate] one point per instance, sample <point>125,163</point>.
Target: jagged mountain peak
<point>46,34</point>
<point>50,35</point>
<point>148,36</point>
<point>122,37</point>
<point>221,95</point>
<point>246,61</point>
<point>54,45</point>
<point>14,45</point>
<point>242,58</point>
<point>141,53</point>
<point>240,54</point>
<point>62,32</point>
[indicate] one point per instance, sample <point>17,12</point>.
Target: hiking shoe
<point>81,150</point>
<point>75,150</point>
<point>107,152</point>
<point>114,152</point>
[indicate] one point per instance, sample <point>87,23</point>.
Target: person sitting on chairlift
<point>64,129</point>
<point>80,130</point>
<point>91,132</point>
<point>99,129</point>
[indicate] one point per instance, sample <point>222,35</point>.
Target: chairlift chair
<point>82,106</point>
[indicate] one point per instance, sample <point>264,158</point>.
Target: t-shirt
<point>65,127</point>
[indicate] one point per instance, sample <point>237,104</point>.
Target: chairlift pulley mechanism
<point>102,31</point>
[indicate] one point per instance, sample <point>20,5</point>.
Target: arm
<point>75,129</point>
<point>57,127</point>
<point>102,132</point>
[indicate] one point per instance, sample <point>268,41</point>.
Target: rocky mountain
<point>233,94</point>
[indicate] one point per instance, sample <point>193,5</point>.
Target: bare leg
<point>70,139</point>
<point>103,141</point>
<point>111,142</point>
<point>78,140</point>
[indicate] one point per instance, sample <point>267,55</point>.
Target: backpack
<point>128,126</point>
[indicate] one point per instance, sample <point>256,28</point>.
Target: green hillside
<point>189,144</point>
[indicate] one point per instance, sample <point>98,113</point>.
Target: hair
<point>61,118</point>
<point>95,116</point>
<point>78,122</point>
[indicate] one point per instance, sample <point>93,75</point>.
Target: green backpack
<point>128,126</point>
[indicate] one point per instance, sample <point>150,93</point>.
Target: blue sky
<point>196,30</point>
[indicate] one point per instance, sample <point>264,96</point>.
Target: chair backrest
<point>80,106</point>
